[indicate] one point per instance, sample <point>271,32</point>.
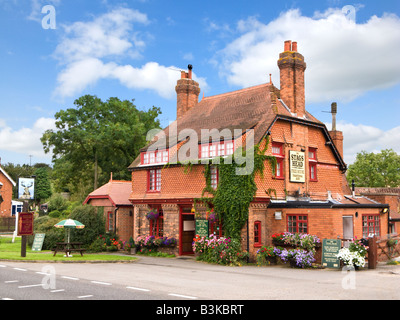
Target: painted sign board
<point>297,166</point>
<point>26,188</point>
<point>330,249</point>
<point>38,242</point>
<point>202,227</point>
<point>25,224</point>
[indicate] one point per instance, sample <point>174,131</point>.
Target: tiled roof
<point>250,108</point>
<point>117,191</point>
<point>7,176</point>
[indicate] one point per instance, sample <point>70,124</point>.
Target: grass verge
<point>12,251</point>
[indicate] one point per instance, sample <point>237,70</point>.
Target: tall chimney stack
<point>292,67</point>
<point>187,91</point>
<point>337,136</point>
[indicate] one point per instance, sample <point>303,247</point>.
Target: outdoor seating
<point>68,248</point>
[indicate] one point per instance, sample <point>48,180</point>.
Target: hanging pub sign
<point>26,189</point>
<point>297,166</point>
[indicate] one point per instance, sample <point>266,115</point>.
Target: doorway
<point>348,227</point>
<point>186,230</point>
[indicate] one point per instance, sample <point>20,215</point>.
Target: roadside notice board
<point>202,227</point>
<point>25,224</point>
<point>38,242</point>
<point>330,249</point>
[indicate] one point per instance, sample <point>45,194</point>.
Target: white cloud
<point>344,59</point>
<point>90,52</point>
<point>357,138</point>
<point>25,140</point>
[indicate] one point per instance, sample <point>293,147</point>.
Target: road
<point>188,280</point>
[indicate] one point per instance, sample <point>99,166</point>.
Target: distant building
<point>6,193</point>
<point>391,196</point>
<point>113,198</point>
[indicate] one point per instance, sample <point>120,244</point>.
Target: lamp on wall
<point>385,210</point>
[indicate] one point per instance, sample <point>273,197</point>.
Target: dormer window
<point>155,157</point>
<point>220,149</point>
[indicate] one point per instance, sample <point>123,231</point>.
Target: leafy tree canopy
<point>96,138</point>
<point>375,170</point>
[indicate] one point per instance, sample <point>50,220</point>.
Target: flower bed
<point>222,250</point>
<point>299,249</point>
<point>146,244</point>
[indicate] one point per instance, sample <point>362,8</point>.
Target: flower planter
<point>271,260</point>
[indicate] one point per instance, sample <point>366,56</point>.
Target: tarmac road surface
<point>151,278</point>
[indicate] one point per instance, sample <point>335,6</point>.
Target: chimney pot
<point>288,45</point>
<point>190,67</point>
<point>294,46</point>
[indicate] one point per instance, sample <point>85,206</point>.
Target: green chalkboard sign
<point>38,242</point>
<point>202,227</point>
<point>330,249</point>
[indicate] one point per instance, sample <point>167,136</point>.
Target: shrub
<point>94,224</point>
<point>45,225</point>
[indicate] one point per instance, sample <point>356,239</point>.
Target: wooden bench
<point>67,248</point>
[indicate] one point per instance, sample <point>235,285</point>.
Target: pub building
<point>310,191</point>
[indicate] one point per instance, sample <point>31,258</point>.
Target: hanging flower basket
<point>212,216</point>
<point>152,214</point>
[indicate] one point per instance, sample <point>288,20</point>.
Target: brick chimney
<point>187,91</point>
<point>292,67</point>
<point>337,136</point>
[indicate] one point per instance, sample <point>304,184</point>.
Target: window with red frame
<point>214,177</point>
<point>371,225</point>
<point>257,233</point>
<point>222,148</point>
<point>154,180</point>
<point>297,223</point>
<point>277,152</point>
<point>157,226</point>
<point>154,157</point>
<point>312,163</point>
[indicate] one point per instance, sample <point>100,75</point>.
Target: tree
<point>375,170</point>
<point>98,137</point>
<point>42,184</point>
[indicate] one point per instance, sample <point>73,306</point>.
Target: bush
<point>45,225</point>
<point>57,202</point>
<point>94,224</point>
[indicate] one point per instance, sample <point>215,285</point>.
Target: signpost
<point>25,228</point>
<point>330,248</point>
<point>38,242</point>
<point>202,227</point>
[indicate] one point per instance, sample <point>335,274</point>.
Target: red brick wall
<point>6,192</point>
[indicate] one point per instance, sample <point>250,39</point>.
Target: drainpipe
<point>115,220</point>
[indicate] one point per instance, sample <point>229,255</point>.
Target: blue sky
<point>135,49</point>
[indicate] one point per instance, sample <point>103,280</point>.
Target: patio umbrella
<point>69,224</point>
